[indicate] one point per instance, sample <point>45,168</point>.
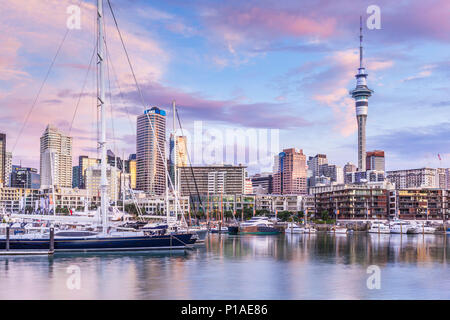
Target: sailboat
<point>106,239</point>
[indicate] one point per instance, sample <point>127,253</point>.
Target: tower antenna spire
<point>360,43</point>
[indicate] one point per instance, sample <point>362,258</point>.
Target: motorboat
<point>258,225</point>
<point>379,227</point>
<point>338,229</point>
<point>294,228</point>
<point>400,226</point>
<point>418,228</point>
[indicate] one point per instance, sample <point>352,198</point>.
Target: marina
<point>284,266</point>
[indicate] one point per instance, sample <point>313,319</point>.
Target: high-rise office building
<point>130,167</point>
<point>8,168</point>
<point>262,183</point>
<point>375,160</point>
<point>56,158</point>
<point>213,179</point>
<point>93,178</point>
<point>76,177</point>
<point>84,163</point>
<point>26,178</point>
<point>181,154</point>
<point>292,173</point>
<point>151,151</point>
<point>2,158</point>
<point>413,178</point>
<point>315,162</point>
<point>361,95</point>
<point>348,168</point>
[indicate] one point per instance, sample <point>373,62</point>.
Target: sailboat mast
<point>101,101</point>
<point>175,160</point>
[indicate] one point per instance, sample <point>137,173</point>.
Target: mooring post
<point>52,239</point>
<point>7,238</point>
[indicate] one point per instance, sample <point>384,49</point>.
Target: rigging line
<point>189,159</point>
<point>111,109</point>
<point>82,90</point>
<point>116,78</point>
<point>141,96</point>
<point>110,95</point>
<point>41,87</point>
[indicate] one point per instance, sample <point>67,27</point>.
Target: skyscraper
<point>361,95</point>
<point>84,163</point>
<point>375,160</point>
<point>56,158</point>
<point>291,175</point>
<point>315,162</point>
<point>151,151</point>
<point>2,157</point>
<point>8,168</point>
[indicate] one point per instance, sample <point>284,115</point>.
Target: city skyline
<point>301,69</point>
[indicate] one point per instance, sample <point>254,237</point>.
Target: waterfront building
<point>375,160</point>
<point>291,177</point>
<point>151,151</point>
<point>419,204</point>
<point>262,183</point>
<point>14,200</point>
<point>353,202</point>
<point>443,178</point>
<point>55,158</point>
<point>361,95</point>
<point>25,178</point>
<point>2,158</point>
<point>93,179</point>
<point>413,178</point>
<point>156,205</point>
<point>213,179</point>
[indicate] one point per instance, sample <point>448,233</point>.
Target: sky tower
<point>361,95</point>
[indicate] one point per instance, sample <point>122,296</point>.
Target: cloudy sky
<point>232,64</point>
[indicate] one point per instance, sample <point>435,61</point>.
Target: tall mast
<point>175,159</point>
<point>101,101</point>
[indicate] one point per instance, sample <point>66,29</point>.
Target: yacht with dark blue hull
<point>83,241</point>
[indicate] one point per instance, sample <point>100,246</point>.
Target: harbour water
<point>319,266</point>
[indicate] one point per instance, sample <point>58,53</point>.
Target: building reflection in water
<point>317,266</point>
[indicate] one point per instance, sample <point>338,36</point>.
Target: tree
<point>324,215</point>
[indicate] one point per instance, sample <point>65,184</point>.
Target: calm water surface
<point>321,266</point>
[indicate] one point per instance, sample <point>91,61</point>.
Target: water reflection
<point>316,266</point>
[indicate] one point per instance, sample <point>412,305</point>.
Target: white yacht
<point>400,226</point>
<point>294,228</point>
<point>338,229</point>
<point>379,227</point>
<point>417,228</point>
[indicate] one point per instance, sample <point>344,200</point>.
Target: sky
<point>279,68</point>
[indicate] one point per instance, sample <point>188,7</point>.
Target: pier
<point>9,252</point>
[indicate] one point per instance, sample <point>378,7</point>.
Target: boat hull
<point>263,230</point>
<point>143,243</point>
